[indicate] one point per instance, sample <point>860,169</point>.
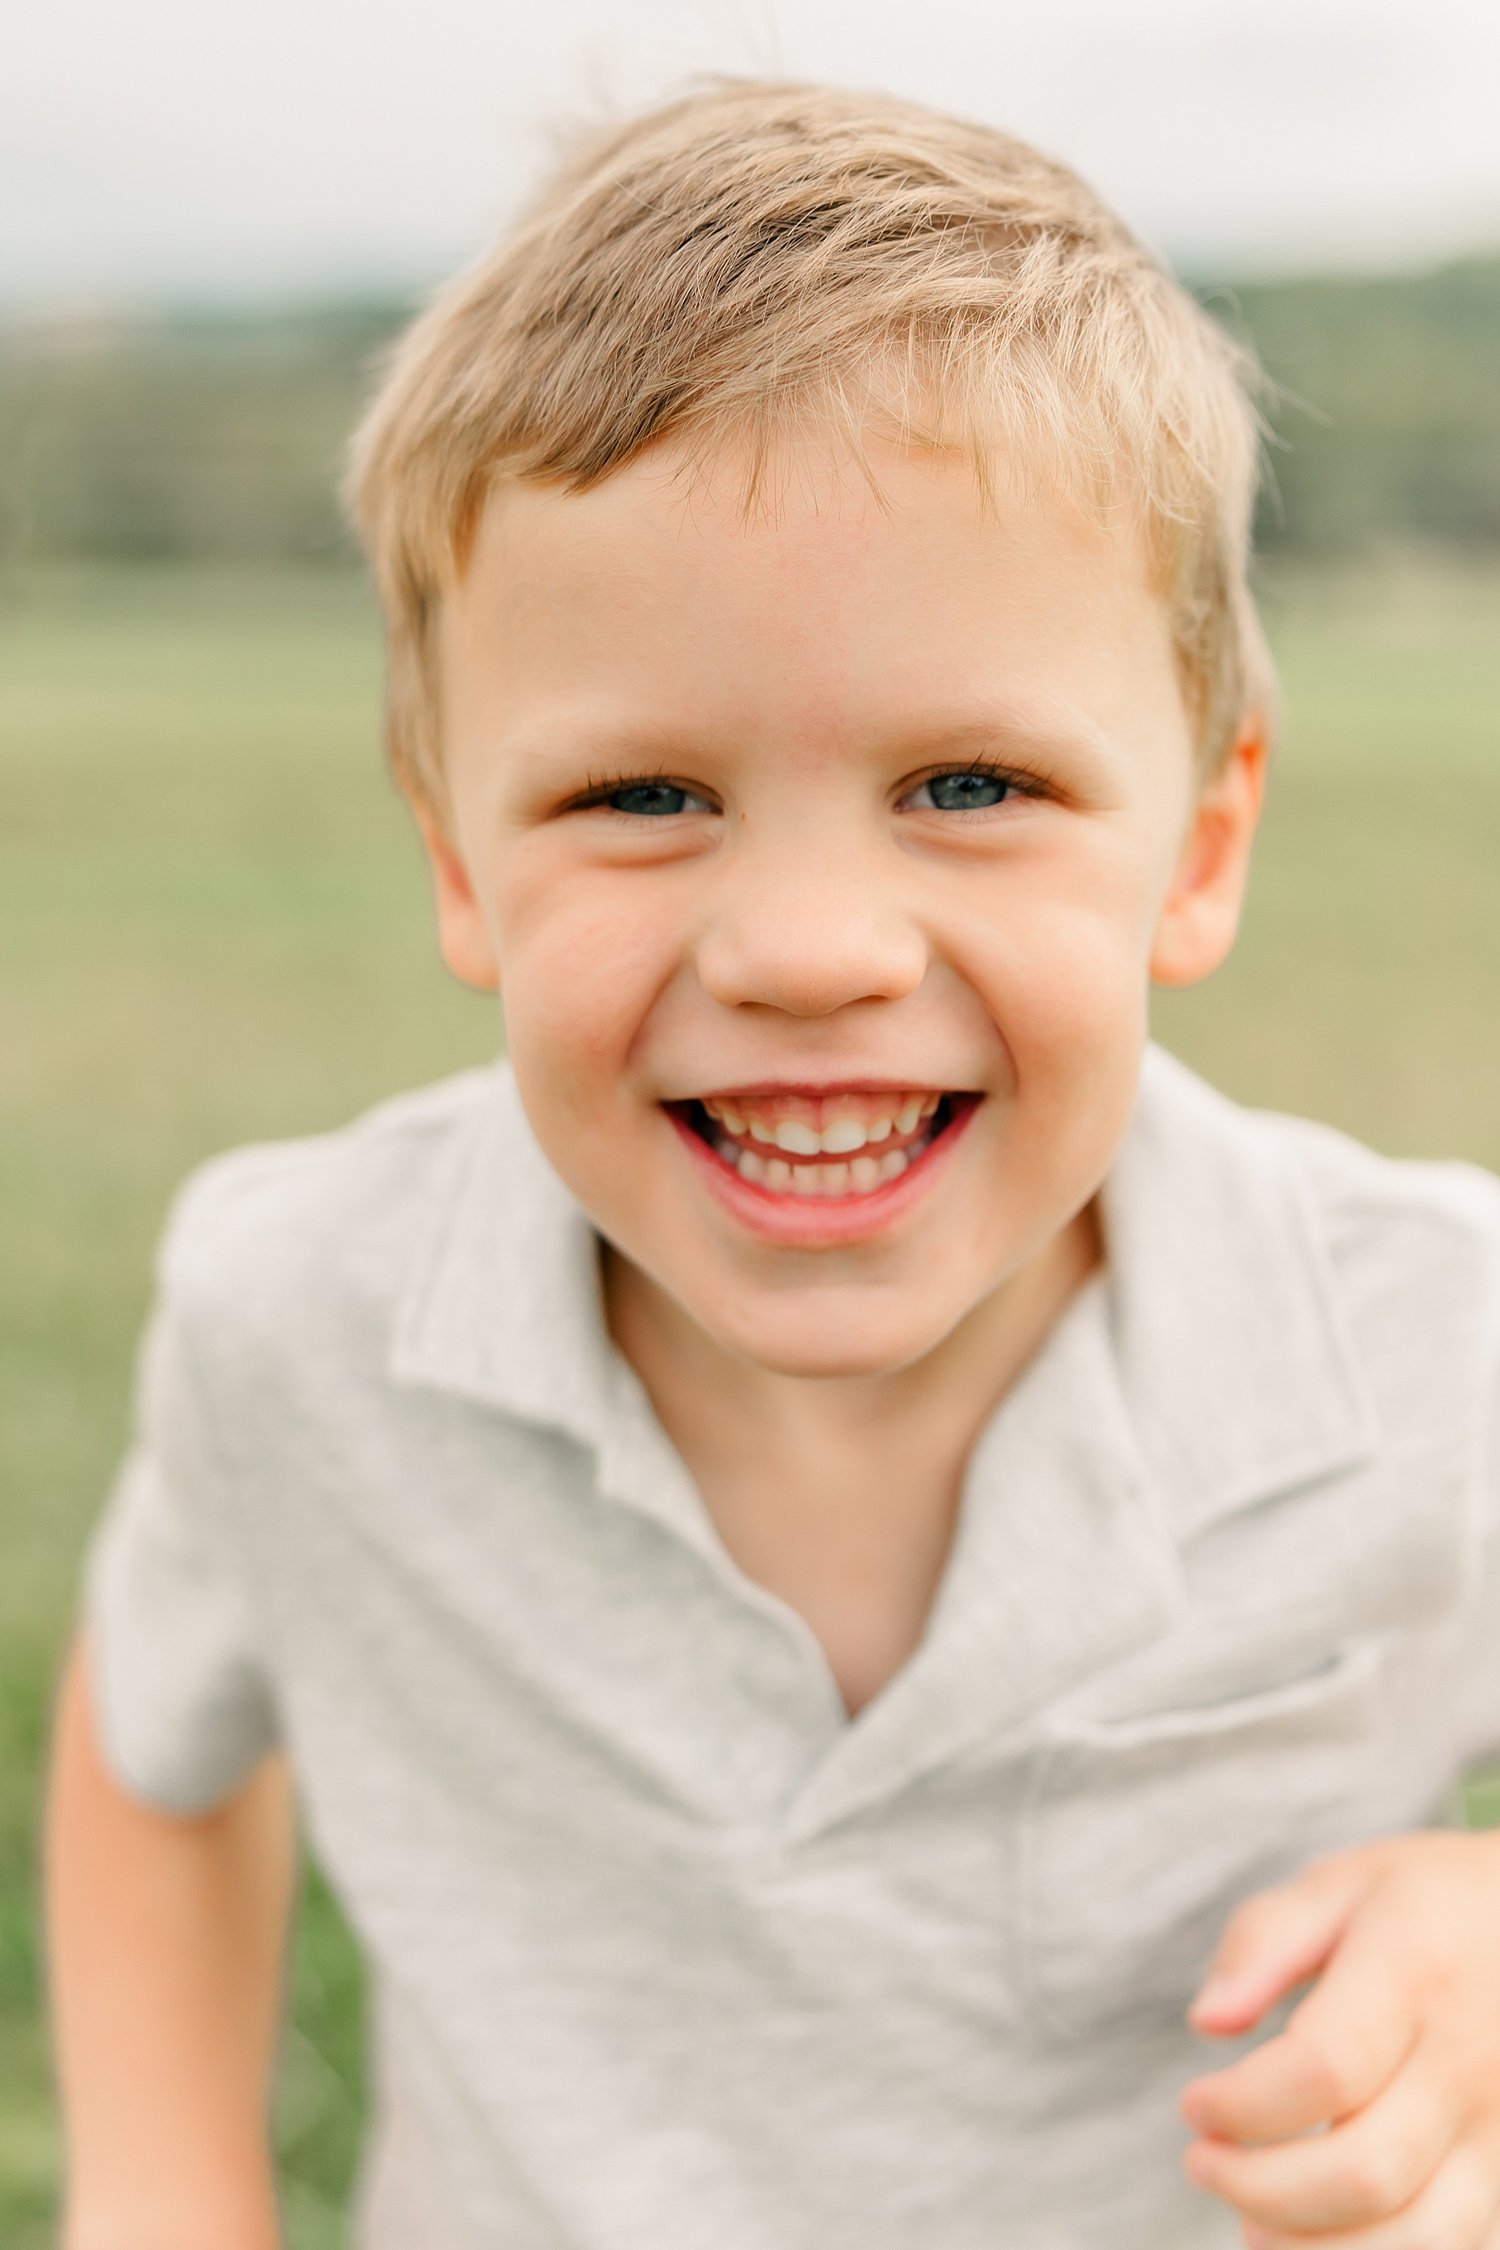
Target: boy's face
<point>824,856</point>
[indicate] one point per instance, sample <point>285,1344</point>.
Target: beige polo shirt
<point>666,1953</point>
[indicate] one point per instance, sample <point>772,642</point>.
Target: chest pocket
<point>1142,1833</point>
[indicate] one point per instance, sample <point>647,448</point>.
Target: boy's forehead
<point>805,531</point>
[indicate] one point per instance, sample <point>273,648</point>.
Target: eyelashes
<point>1005,781</point>
<point>600,788</point>
<point>660,796</point>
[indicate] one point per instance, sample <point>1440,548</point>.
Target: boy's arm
<point>166,1938</point>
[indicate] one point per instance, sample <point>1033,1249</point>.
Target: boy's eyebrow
<point>565,739</point>
<point>1062,735</point>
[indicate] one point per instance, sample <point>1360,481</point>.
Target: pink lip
<point>813,1224</point>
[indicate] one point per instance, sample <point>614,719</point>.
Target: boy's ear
<point>463,935</point>
<point>1201,913</point>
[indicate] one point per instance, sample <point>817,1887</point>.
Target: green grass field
<point>213,927</point>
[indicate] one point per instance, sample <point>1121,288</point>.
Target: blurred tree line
<point>219,435</point>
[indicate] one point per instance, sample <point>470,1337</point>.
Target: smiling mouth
<point>840,1147</point>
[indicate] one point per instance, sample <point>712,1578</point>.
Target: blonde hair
<point>753,254</point>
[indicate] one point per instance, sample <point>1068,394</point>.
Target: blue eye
<point>973,790</point>
<point>648,797</point>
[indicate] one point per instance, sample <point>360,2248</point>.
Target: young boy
<point>824,1544</point>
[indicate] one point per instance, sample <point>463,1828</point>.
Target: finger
<point>1364,2170</point>
<point>1276,1938</point>
<point>1341,2045</point>
<point>1457,2210</point>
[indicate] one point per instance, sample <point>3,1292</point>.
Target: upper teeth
<point>841,1136</point>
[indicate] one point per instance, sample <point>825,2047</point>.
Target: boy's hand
<point>1391,2063</point>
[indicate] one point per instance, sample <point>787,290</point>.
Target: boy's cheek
<point>561,922</point>
<point>578,1034</point>
<point>1069,998</point>
<point>582,971</point>
<point>1068,940</point>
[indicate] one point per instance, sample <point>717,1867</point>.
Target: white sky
<point>183,147</point>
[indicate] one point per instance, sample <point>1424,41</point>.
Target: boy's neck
<point>840,1494</point>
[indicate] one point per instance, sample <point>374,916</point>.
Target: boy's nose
<point>814,940</point>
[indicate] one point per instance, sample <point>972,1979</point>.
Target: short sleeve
<point>183,1699</point>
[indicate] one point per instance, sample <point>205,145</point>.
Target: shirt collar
<point>1233,1346</point>
<point>505,1303</point>
<point>1234,1357</point>
<point>505,1307</point>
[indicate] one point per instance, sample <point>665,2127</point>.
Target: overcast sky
<point>180,147</point>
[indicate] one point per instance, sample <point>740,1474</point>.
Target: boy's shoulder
<point>1364,1206</point>
<point>1288,1301</point>
<point>263,1232</point>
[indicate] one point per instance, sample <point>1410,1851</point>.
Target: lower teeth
<point>807,1181</point>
